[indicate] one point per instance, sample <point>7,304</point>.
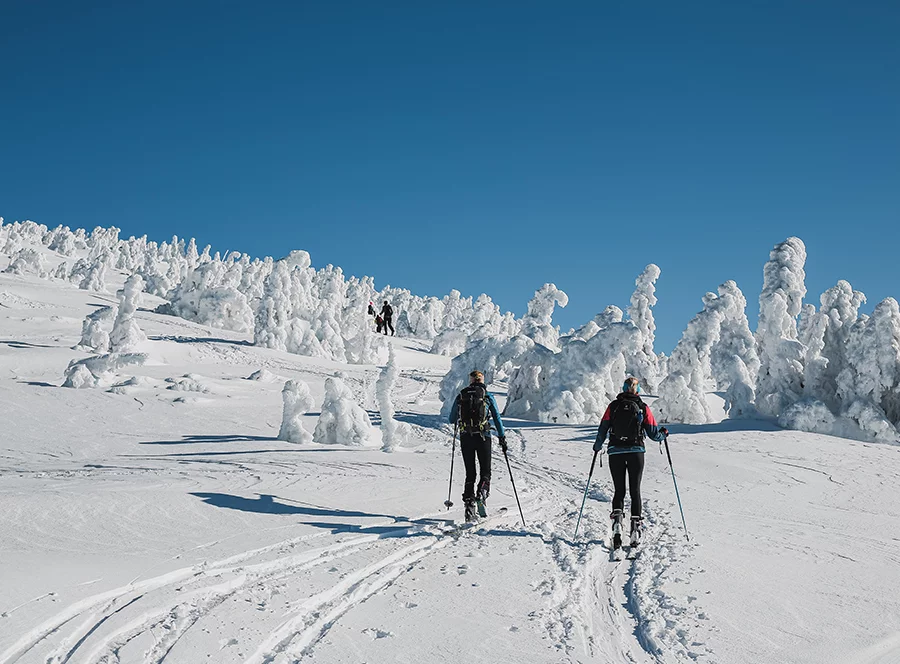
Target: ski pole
<point>666,440</point>
<point>515,493</point>
<point>448,502</point>
<point>588,484</point>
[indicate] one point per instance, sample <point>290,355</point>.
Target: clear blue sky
<point>477,145</point>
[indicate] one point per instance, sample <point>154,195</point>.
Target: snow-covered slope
<point>162,520</point>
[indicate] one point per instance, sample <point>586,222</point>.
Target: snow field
<point>149,524</point>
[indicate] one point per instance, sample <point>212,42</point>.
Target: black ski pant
<point>476,445</point>
<point>388,323</point>
<point>631,463</point>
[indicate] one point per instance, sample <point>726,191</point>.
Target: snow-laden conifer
<point>342,420</point>
<point>297,402</point>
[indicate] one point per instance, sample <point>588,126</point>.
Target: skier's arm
<point>454,411</point>
<point>602,430</point>
<point>652,429</point>
<point>495,414</point>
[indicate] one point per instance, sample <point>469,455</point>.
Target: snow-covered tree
<point>126,335</point>
<point>780,380</point>
<point>94,334</point>
<point>682,394</point>
<point>644,364</point>
<point>27,261</point>
<point>495,358</point>
<point>393,433</point>
<point>297,402</point>
<point>537,324</point>
<point>342,421</point>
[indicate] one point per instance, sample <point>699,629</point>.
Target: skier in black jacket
<point>387,313</point>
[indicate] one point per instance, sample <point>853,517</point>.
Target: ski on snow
<point>458,527</point>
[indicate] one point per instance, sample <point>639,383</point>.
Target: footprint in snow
<point>462,569</point>
<point>376,633</point>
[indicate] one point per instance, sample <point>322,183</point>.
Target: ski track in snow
<point>585,587</point>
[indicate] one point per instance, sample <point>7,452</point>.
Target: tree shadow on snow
<point>24,345</point>
<point>228,438</point>
<point>424,420</point>
<point>37,383</point>
<point>268,504</point>
<point>725,426</point>
<point>196,340</point>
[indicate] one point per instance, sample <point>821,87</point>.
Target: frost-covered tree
<point>644,364</point>
<point>826,333</point>
<point>342,421</point>
<point>94,334</point>
<point>682,394</point>
<point>537,324</point>
<point>495,358</point>
<point>869,383</point>
<point>297,402</point>
<point>27,261</point>
<point>393,433</point>
<point>126,335</point>
<point>779,383</point>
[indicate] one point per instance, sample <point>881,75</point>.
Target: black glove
<point>664,432</point>
<point>502,440</point>
<point>598,445</point>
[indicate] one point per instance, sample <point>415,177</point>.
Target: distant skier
<point>371,309</point>
<point>626,421</point>
<point>379,323</point>
<point>387,312</point>
<point>470,411</point>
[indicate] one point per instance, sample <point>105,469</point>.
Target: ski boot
<point>637,530</point>
<point>481,498</point>
<point>616,516</point>
<point>471,514</point>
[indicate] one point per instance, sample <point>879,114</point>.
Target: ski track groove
<point>630,594</point>
<point>109,600</point>
<point>297,637</point>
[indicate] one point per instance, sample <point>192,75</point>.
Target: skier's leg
<point>635,464</point>
<point>467,445</point>
<point>390,321</point>
<point>617,470</point>
<point>484,464</point>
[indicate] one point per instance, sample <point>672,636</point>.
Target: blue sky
<point>488,147</point>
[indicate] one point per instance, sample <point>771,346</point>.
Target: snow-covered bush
<point>809,415</point>
<point>189,383</point>
<point>393,433</point>
<point>126,335</point>
<point>264,376</point>
<point>297,402</point>
<point>100,370</point>
<point>342,421</point>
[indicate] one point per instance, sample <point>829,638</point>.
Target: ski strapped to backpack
<point>627,422</point>
<point>473,409</point>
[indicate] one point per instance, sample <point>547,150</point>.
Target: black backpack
<point>473,409</point>
<point>626,422</point>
